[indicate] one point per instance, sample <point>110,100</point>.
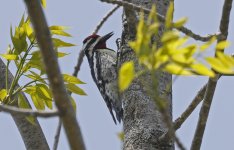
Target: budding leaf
<point>222,45</point>
<point>126,75</point>
<point>22,103</point>
<point>3,94</point>
<point>9,56</point>
<point>43,2</point>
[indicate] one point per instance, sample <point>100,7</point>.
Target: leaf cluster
<point>172,54</point>
<point>25,54</point>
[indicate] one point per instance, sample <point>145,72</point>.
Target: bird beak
<point>106,37</point>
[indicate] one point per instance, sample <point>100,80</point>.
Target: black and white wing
<point>106,80</point>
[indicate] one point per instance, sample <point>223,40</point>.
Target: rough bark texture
<point>31,134</point>
<point>143,123</point>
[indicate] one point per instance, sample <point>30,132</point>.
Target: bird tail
<point>113,117</point>
<point>119,114</point>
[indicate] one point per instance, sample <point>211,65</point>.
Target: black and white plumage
<point>102,62</point>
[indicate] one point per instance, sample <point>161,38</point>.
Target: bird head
<point>95,41</point>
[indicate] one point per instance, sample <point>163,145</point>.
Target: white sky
<point>98,129</point>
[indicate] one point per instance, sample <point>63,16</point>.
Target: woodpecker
<point>103,66</point>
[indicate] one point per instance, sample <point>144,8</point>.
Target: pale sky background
<point>98,129</point>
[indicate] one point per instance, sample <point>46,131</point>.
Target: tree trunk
<point>143,123</point>
<point>31,134</point>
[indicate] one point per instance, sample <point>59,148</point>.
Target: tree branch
<point>57,135</point>
<point>197,99</point>
<point>161,18</point>
<point>31,134</point>
<point>60,94</point>
<point>104,19</point>
<point>28,112</point>
<point>204,112</point>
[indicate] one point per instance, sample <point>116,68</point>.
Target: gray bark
<point>143,123</point>
<point>31,134</point>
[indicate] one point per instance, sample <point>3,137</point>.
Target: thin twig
<point>28,112</point>
<point>59,91</point>
<point>204,112</point>
<point>203,115</point>
<point>197,99</point>
<point>57,135</point>
<point>161,18</point>
<point>104,19</point>
<point>79,62</point>
<point>81,54</point>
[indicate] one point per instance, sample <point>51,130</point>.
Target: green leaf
<point>219,66</point>
<point>202,70</point>
<point>37,101</point>
<point>177,69</point>
<point>152,16</point>
<point>170,36</point>
<point>229,60</point>
<point>121,136</point>
<point>21,21</point>
<point>75,89</point>
<point>208,44</point>
<point>61,54</point>
<point>126,75</point>
<point>71,79</point>
<point>47,94</point>
<point>58,27</point>
<point>60,32</point>
<point>225,60</point>
<point>19,40</point>
<point>222,45</point>
<point>3,94</point>
<point>180,22</point>
<point>169,15</point>
<point>35,63</point>
<point>29,31</point>
<point>43,2</point>
<point>30,90</point>
<point>10,56</point>
<point>49,104</point>
<point>22,103</point>
<point>42,94</point>
<point>36,76</point>
<point>60,43</point>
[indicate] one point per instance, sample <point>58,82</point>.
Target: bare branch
<point>28,112</point>
<point>57,135</point>
<point>161,18</point>
<point>203,116</point>
<point>60,94</point>
<point>197,99</point>
<point>204,112</point>
<point>104,19</point>
<point>79,62</point>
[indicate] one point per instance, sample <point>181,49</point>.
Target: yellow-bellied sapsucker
<point>103,65</point>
